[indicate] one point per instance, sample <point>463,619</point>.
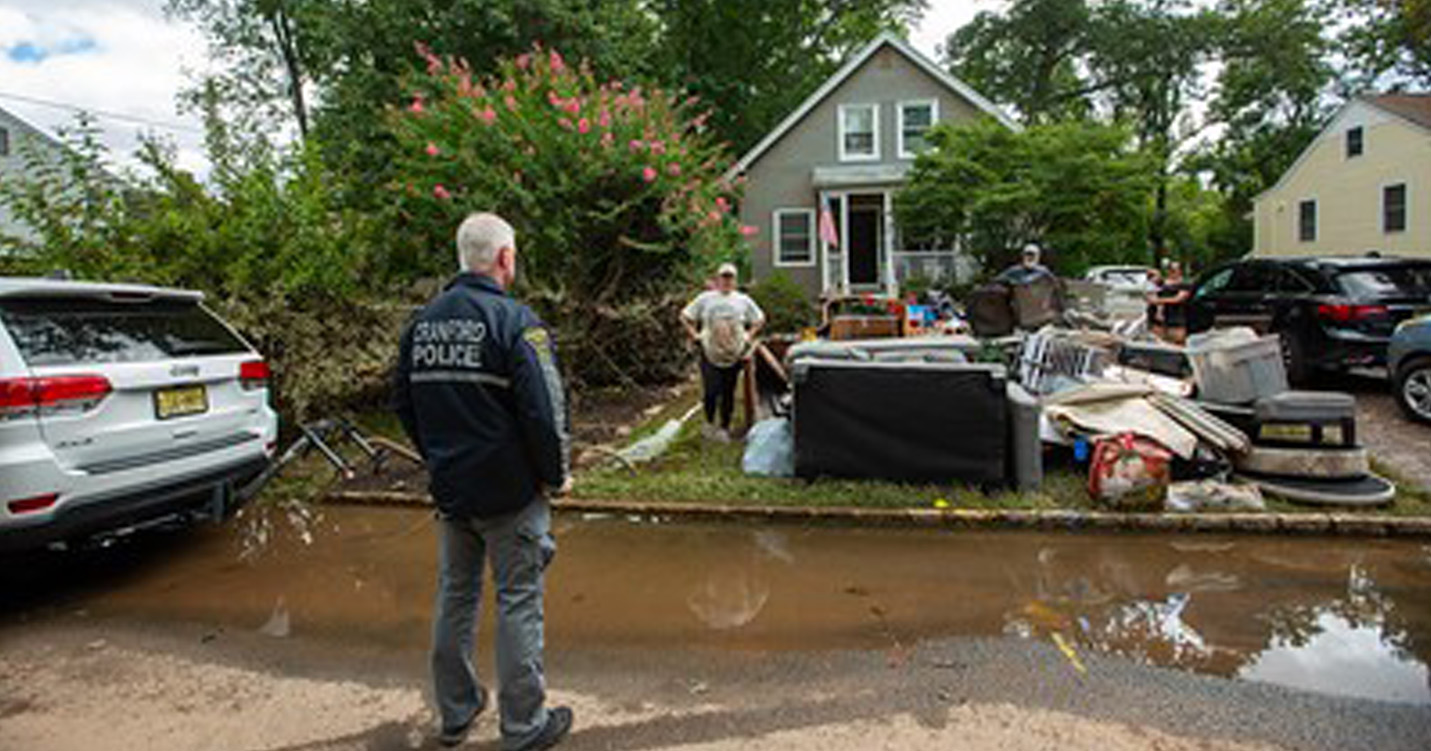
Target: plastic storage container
<point>1236,366</point>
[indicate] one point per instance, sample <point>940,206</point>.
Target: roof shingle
<point>1413,107</point>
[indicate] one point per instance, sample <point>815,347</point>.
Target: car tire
<point>1294,358</point>
<point>1412,388</point>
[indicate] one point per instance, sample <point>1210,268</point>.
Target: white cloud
<point>136,66</point>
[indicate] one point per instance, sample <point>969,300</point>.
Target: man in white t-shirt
<point>724,321</point>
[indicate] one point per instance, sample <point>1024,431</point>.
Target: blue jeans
<point>520,547</point>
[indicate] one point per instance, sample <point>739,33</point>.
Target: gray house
<point>14,134</point>
<point>848,148</point>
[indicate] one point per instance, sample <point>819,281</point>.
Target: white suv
<point>121,406</point>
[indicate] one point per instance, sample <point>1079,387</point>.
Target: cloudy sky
<point>123,61</point>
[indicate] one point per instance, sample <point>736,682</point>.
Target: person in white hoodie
<point>724,322</point>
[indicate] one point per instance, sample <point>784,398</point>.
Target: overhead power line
<point>120,116</point>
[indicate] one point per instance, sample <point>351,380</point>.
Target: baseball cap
<point>726,269</point>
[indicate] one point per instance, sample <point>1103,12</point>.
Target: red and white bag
<point>1129,471</point>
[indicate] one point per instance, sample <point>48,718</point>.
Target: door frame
<point>884,250</point>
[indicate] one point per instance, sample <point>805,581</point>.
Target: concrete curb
<point>1310,523</point>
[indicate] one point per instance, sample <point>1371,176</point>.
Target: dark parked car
<point>1409,362</point>
<point>1331,313</point>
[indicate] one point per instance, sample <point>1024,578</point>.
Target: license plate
<point>180,401</point>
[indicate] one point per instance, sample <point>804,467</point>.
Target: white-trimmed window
<point>915,118</point>
<point>794,234</point>
<point>859,132</point>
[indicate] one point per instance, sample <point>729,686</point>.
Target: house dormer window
<point>915,118</point>
<point>859,132</point>
<point>1355,144</point>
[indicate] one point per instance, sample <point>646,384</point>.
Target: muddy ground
<point>730,637</point>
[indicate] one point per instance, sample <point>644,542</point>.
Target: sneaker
<point>722,435</point>
<point>559,721</point>
<point>709,432</point>
<point>450,737</point>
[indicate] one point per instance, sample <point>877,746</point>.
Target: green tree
<point>1032,57</point>
<point>1079,189</point>
<point>616,194</point>
<point>1384,40</point>
<point>1147,60</point>
<point>1271,98</point>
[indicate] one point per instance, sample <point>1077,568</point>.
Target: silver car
<point>1408,360</point>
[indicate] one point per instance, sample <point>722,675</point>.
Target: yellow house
<point>1363,185</point>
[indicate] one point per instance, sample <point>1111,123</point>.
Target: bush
<point>787,309</point>
<point>616,194</point>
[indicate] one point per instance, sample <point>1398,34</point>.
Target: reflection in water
<point>1359,656</point>
<point>1338,616</point>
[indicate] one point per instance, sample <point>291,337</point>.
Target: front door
<point>864,231</point>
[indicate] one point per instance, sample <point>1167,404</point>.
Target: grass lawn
<point>696,470</point>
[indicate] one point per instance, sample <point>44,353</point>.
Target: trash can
<point>1235,366</point>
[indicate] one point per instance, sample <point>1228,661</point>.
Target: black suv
<point>1331,313</point>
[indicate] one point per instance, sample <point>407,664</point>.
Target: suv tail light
<point>254,374</point>
<point>1343,313</point>
<point>30,505</point>
<point>24,397</point>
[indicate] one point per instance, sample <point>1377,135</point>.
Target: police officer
<point>478,392</point>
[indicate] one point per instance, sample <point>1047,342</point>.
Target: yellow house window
<point>1307,221</point>
<point>1393,208</point>
<point>1355,142</point>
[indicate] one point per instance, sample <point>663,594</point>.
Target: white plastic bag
<point>770,449</point>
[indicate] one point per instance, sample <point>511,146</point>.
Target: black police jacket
<point>479,393</point>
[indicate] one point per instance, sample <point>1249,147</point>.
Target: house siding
<point>781,177</point>
<point>22,137</point>
<point>1348,192</point>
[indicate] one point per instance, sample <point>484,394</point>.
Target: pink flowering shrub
<point>616,194</point>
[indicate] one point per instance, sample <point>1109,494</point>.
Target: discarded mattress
<point>911,422</point>
<point>1109,409</point>
<point>1367,490</point>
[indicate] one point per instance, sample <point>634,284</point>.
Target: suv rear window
<point>1390,281</point>
<point>70,331</point>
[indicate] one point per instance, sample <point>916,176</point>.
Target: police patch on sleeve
<point>540,340</point>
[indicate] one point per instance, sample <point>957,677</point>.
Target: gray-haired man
<point>478,391</point>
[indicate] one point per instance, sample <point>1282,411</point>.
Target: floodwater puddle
<point>1340,616</point>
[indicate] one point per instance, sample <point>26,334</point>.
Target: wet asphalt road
<point>762,638</point>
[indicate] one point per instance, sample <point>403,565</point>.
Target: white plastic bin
<point>1235,366</point>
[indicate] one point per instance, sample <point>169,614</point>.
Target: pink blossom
<point>722,205</point>
<point>416,105</point>
<point>558,65</point>
<point>523,60</point>
<point>441,192</point>
<point>583,125</point>
<point>554,98</point>
<point>511,102</point>
<point>607,139</point>
<point>649,174</point>
<point>673,169</point>
<point>658,147</point>
<point>604,119</point>
<point>749,231</point>
<point>713,217</point>
<point>564,123</point>
<point>432,149</point>
<point>509,85</point>
<point>636,145</point>
<point>572,106</point>
<point>488,115</point>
